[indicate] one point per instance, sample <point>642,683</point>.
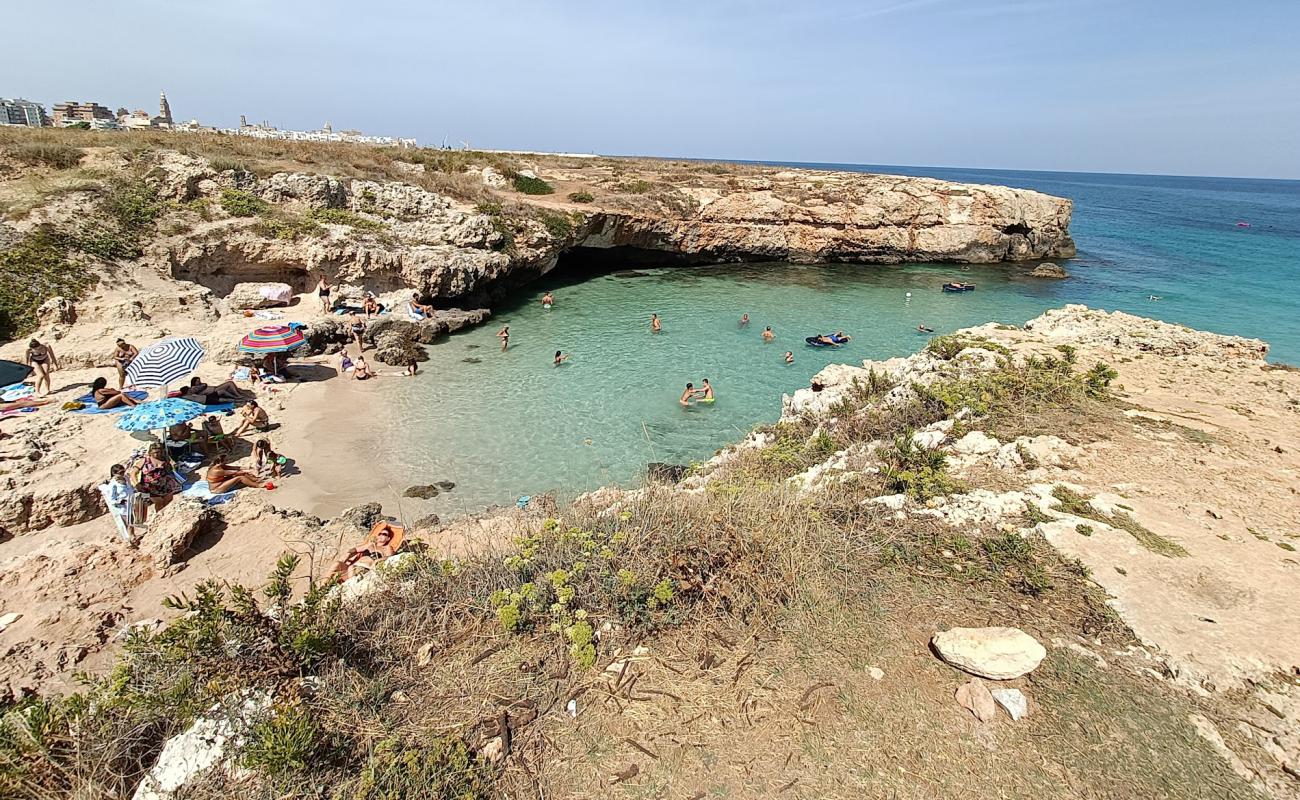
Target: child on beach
<point>267,462</point>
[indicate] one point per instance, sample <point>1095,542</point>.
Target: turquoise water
<point>507,424</point>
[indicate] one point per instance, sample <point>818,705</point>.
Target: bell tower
<point>164,109</point>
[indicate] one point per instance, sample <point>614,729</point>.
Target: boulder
<point>318,190</point>
<point>202,747</point>
<point>362,517</point>
<point>170,532</point>
<point>665,473</point>
<point>422,492</point>
<point>250,295</point>
<point>494,179</point>
<point>998,653</point>
<point>1049,270</point>
<point>56,311</point>
<point>1013,700</point>
<point>974,696</point>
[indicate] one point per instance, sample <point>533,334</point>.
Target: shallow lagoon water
<point>504,424</point>
<point>507,424</point>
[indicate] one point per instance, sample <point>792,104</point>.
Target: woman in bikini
<point>123,355</point>
<point>323,290</point>
<point>222,477</point>
<point>361,371</point>
<point>358,330</point>
<point>504,336</point>
<point>41,358</point>
<point>109,398</point>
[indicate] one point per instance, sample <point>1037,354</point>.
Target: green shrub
<point>133,203</point>
<point>528,185</point>
<point>288,227</point>
<point>558,225</point>
<point>240,203</point>
<point>919,472</point>
<point>581,197</point>
<point>446,768</point>
<point>492,209</point>
<point>636,187</point>
<point>31,271</point>
<point>224,164</point>
<point>950,345</point>
<point>46,154</point>
<point>342,216</point>
<point>284,743</point>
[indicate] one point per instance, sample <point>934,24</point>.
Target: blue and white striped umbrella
<point>165,362</point>
<point>159,414</point>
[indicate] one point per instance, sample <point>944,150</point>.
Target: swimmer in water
<point>707,392</point>
<point>504,336</point>
<point>655,327</point>
<point>548,300</point>
<point>560,357</point>
<point>690,392</point>
<point>789,357</point>
<point>923,329</point>
<point>744,320</point>
<point>767,334</point>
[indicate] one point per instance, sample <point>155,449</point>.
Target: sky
<point>1145,86</point>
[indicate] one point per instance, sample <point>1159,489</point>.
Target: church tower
<point>164,109</point>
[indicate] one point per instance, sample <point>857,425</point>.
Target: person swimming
<point>655,326</point>
<point>923,329</point>
<point>768,335</point>
<point>560,357</point>
<point>707,392</point>
<point>687,395</point>
<point>548,300</point>
<point>744,320</point>
<point>789,357</point>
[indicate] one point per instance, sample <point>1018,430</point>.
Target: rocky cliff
<point>390,235</point>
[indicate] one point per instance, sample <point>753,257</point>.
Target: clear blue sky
<point>1161,86</point>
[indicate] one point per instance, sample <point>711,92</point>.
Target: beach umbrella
<point>159,414</point>
<point>12,372</point>
<point>272,339</point>
<point>164,362</point>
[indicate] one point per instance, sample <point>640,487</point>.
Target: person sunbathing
<point>251,417</point>
<point>419,310</point>
<point>384,541</point>
<point>203,394</point>
<point>110,398</point>
<point>371,306</point>
<point>25,402</point>
<point>222,477</point>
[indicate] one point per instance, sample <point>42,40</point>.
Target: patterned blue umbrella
<point>164,362</point>
<point>159,414</point>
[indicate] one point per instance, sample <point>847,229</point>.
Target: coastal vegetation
<point>428,687</point>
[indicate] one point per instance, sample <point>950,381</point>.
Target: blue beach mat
<point>91,408</point>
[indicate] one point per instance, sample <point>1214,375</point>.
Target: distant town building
<point>164,110</point>
<point>70,112</point>
<point>22,112</point>
<point>327,133</point>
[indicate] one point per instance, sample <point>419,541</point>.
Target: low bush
<point>45,154</point>
<point>33,270</point>
<point>637,186</point>
<point>527,185</point>
<point>919,472</point>
<point>241,203</point>
<point>342,216</point>
<point>581,197</point>
<point>288,227</point>
<point>557,224</point>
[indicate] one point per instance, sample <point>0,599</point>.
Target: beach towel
<point>91,408</point>
<point>268,315</point>
<point>200,490</point>
<point>242,374</point>
<point>123,518</point>
<point>17,391</point>
<point>414,315</point>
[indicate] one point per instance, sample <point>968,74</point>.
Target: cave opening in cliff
<point>580,263</point>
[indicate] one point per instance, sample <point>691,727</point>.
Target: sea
<point>1221,254</point>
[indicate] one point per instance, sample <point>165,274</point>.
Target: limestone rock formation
<point>1049,270</point>
<point>997,653</point>
<point>172,530</point>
